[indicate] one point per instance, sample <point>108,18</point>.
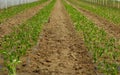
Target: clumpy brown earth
<point>6,26</point>
<point>109,27</point>
<point>60,50</point>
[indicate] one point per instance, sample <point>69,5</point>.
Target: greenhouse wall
<point>108,3</point>
<point>8,3</point>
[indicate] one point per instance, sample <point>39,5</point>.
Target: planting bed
<point>59,37</point>
<point>109,27</point>
<point>111,14</point>
<point>6,13</point>
<point>6,27</point>
<point>102,45</point>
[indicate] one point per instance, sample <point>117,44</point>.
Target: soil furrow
<point>60,50</point>
<point>6,26</point>
<point>109,27</point>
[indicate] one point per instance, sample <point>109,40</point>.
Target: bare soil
<point>60,50</point>
<point>109,27</point>
<point>6,26</point>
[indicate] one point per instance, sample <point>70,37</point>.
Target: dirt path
<point>109,27</point>
<point>6,27</point>
<point>60,51</point>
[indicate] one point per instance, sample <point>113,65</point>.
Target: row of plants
<point>23,37</point>
<point>104,49</point>
<point>105,3</point>
<point>6,13</point>
<point>111,14</point>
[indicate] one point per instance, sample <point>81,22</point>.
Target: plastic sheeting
<point>8,3</point>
